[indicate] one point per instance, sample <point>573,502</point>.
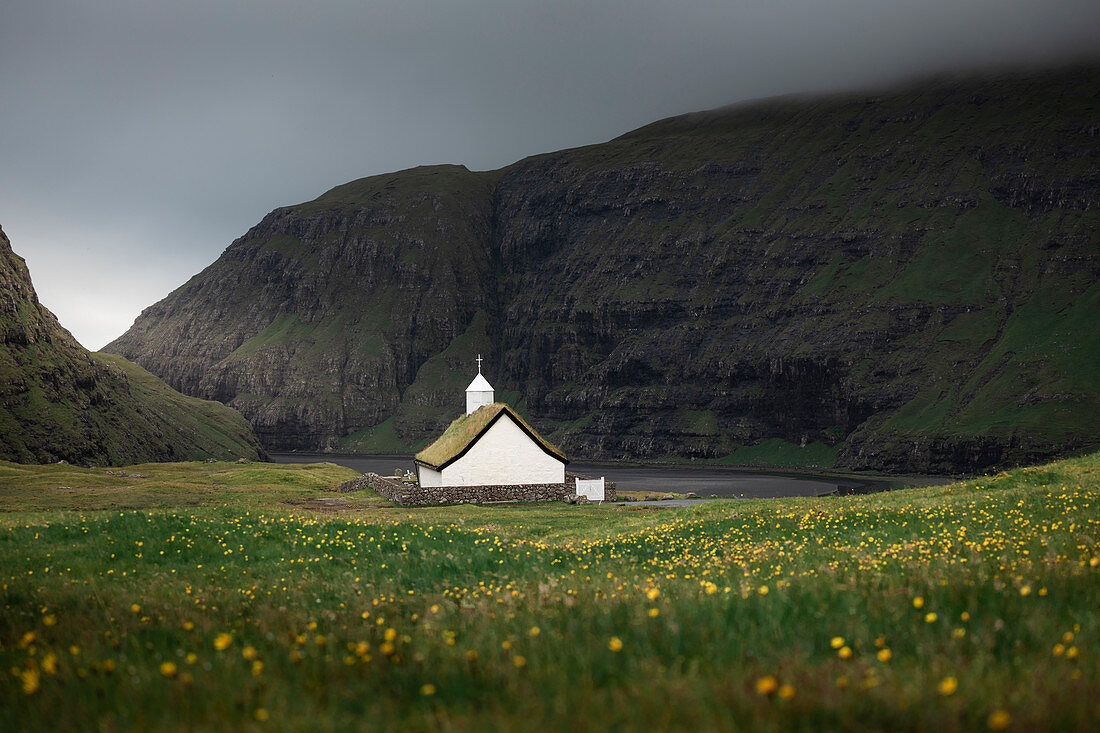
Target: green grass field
<point>217,596</point>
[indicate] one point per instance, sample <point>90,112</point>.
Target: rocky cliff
<point>905,281</point>
<point>59,402</point>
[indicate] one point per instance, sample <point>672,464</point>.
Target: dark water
<point>658,479</point>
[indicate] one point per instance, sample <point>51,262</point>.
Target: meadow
<point>229,596</point>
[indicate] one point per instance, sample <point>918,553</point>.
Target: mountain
<point>60,402</point>
<point>906,280</point>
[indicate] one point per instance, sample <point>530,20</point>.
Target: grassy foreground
<point>968,606</point>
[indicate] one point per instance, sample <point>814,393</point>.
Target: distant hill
<point>906,280</point>
<point>59,402</point>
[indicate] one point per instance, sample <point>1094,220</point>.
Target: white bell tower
<point>480,392</point>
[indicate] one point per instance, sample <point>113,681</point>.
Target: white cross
<point>479,363</point>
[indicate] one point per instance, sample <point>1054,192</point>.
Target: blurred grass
<point>789,614</point>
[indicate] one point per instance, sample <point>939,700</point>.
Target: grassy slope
<point>60,402</point>
<point>148,486</point>
<point>197,428</point>
<point>949,607</point>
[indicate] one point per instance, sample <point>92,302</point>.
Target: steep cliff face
<point>58,402</point>
<point>904,281</point>
<point>318,321</point>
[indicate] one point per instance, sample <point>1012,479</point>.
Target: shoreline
<point>893,480</point>
<point>703,479</point>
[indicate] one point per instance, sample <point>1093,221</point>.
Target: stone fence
<point>411,494</point>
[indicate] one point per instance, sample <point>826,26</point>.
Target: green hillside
<point>59,402</point>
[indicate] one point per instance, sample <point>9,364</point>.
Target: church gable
<point>462,434</point>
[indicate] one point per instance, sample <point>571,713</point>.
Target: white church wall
<point>504,454</point>
<point>429,477</point>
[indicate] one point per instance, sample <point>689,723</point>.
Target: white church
<point>489,446</point>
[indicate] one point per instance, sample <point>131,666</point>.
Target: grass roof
<point>461,433</point>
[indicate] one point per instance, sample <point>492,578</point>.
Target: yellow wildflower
<point>168,669</point>
<point>766,685</point>
<point>30,681</point>
<point>999,720</point>
<point>427,689</point>
<point>615,644</point>
<point>222,641</point>
<point>948,685</point>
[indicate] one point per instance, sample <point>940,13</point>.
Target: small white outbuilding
<point>489,446</point>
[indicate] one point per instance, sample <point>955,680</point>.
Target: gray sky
<point>138,139</point>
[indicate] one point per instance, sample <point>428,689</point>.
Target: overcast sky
<point>138,139</point>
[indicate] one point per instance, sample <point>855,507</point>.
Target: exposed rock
<point>902,281</point>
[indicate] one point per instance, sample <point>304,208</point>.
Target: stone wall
<point>413,495</point>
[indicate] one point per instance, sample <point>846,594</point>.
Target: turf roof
<point>461,434</point>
